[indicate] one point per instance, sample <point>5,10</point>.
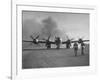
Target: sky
<point>75,25</point>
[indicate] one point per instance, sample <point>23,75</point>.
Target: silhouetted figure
<point>75,48</point>
<point>57,41</point>
<point>82,48</point>
<point>68,44</point>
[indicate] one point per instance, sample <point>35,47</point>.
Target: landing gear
<point>58,46</point>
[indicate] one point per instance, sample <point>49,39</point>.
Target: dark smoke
<point>44,28</point>
<point>50,28</point>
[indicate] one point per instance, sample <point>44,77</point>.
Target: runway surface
<point>43,58</point>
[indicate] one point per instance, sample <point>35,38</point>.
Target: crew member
<point>75,48</point>
<point>82,48</point>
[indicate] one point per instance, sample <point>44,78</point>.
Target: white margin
<point>16,41</point>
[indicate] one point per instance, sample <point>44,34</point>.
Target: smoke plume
<point>44,28</point>
<point>50,27</point>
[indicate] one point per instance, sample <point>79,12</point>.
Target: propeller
<point>80,40</point>
<point>34,39</point>
<point>49,37</point>
<point>37,37</point>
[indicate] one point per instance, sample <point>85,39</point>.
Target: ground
<point>43,58</point>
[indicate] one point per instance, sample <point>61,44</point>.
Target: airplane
<point>57,41</point>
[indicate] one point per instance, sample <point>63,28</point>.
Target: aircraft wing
<point>64,42</point>
<point>86,40</point>
<point>52,42</point>
<point>74,41</point>
<point>43,41</point>
<point>26,41</point>
<point>78,41</point>
<point>70,42</point>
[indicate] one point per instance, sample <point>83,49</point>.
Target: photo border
<point>14,61</point>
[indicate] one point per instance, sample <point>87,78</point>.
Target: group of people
<point>75,46</point>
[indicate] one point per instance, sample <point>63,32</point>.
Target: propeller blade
<point>34,34</point>
<point>31,37</point>
<point>49,37</point>
<point>37,37</point>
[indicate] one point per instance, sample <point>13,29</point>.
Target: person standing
<point>82,48</point>
<point>75,48</point>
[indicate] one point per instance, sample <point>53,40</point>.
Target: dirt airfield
<point>51,58</point>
